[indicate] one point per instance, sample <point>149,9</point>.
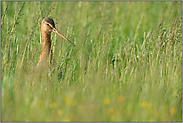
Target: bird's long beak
<point>56,31</point>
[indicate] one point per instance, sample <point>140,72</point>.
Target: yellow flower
<point>144,104</point>
<point>120,99</point>
<point>66,120</point>
<point>125,112</point>
<point>149,110</point>
<point>111,111</point>
<point>68,101</point>
<point>112,117</point>
<point>173,111</point>
<point>157,113</point>
<point>53,105</point>
<point>151,120</point>
<point>60,112</point>
<point>106,101</point>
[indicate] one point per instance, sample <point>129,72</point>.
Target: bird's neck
<point>46,46</point>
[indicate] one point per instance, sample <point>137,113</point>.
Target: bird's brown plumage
<point>47,27</point>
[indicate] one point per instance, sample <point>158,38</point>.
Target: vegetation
<point>126,65</point>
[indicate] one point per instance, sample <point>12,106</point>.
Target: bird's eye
<point>47,24</point>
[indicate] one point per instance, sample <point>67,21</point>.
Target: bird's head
<point>48,26</point>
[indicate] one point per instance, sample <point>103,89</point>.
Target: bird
<point>47,27</point>
<point>43,64</point>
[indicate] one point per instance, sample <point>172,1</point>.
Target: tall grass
<point>126,65</point>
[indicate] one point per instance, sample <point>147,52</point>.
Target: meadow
<point>126,65</point>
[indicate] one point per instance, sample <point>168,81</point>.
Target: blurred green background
<point>126,65</point>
